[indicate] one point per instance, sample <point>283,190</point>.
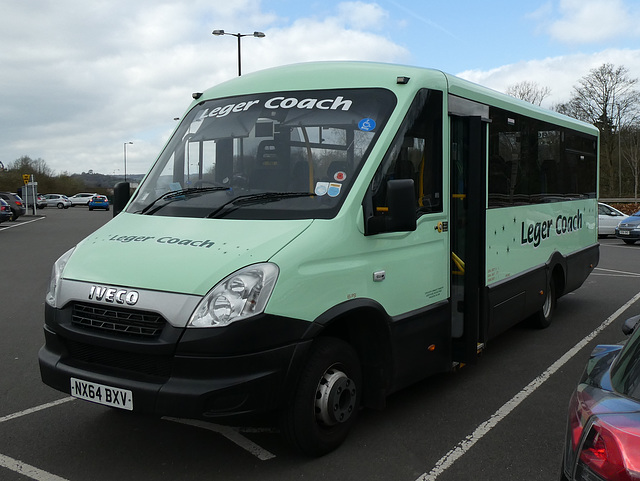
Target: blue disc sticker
<point>367,125</point>
<point>334,189</point>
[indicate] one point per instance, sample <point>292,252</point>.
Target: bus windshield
<point>278,155</point>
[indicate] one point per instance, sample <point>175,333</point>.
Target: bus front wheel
<point>326,401</point>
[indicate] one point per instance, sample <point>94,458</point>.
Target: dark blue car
<point>603,429</point>
<point>629,229</point>
<point>5,211</point>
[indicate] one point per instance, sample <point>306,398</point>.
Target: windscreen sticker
<point>334,189</point>
<point>340,176</point>
<point>367,125</point>
<point>321,188</point>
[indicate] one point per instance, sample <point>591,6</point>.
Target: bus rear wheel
<point>326,401</point>
<point>542,319</point>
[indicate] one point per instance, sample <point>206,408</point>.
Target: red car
<point>603,431</point>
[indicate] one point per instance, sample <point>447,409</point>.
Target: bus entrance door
<point>467,227</point>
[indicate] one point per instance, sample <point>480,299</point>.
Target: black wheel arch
<point>557,272</point>
<point>364,324</point>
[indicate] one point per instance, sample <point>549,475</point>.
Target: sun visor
<point>214,128</point>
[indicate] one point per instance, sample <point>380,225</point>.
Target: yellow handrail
<point>459,264</point>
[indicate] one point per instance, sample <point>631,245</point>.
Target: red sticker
<point>339,176</point>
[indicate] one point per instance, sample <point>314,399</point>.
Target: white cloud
<point>82,78</point>
<point>560,74</point>
<point>590,21</point>
<point>361,15</point>
<point>78,79</point>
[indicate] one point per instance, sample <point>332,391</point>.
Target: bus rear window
<point>533,162</point>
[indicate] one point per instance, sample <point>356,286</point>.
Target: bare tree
<point>26,164</point>
<point>606,98</point>
<point>529,92</point>
<point>631,154</point>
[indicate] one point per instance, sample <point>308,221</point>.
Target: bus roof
<point>352,74</point>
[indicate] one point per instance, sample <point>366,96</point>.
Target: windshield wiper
<point>249,199</point>
<point>174,194</point>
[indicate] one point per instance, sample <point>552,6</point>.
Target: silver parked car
<point>58,200</point>
<point>608,219</point>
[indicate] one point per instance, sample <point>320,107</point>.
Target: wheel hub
<point>335,398</point>
<point>546,308</point>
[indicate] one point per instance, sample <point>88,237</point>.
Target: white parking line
<point>36,409</point>
<point>616,246</point>
<point>7,227</point>
<point>232,434</point>
<point>24,468</point>
<point>613,273</point>
<point>467,443</point>
<point>27,470</point>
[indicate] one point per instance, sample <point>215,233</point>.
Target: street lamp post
<point>238,36</point>
<point>125,160</point>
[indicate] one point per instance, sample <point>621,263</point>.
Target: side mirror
<point>401,195</point>
<point>121,195</point>
<point>401,199</point>
<point>630,324</point>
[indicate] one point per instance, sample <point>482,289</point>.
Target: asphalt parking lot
<point>501,419</point>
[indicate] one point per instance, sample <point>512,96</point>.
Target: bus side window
<point>416,154</point>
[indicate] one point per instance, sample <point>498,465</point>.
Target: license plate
<point>101,394</point>
<point>623,232</point>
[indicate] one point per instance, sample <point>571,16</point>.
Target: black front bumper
<point>632,232</point>
<point>191,377</point>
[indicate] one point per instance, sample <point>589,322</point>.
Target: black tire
<point>629,241</point>
<point>325,404</point>
<point>60,205</point>
<point>90,208</point>
<point>13,216</point>
<point>542,319</point>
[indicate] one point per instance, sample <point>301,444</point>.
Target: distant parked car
<point>5,211</point>
<point>41,201</point>
<point>99,202</point>
<point>629,229</point>
<point>603,429</point>
<point>608,219</point>
<point>83,198</point>
<point>15,203</point>
<point>58,200</point>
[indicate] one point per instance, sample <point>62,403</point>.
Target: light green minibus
<point>315,237</point>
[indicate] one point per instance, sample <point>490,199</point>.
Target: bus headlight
<point>243,294</point>
<point>56,275</point>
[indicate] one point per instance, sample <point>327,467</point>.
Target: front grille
<point>118,320</point>
<point>154,365</point>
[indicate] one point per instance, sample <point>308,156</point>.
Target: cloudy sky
<point>78,79</point>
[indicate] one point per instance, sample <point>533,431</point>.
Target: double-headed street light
<point>125,160</point>
<point>238,36</point>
